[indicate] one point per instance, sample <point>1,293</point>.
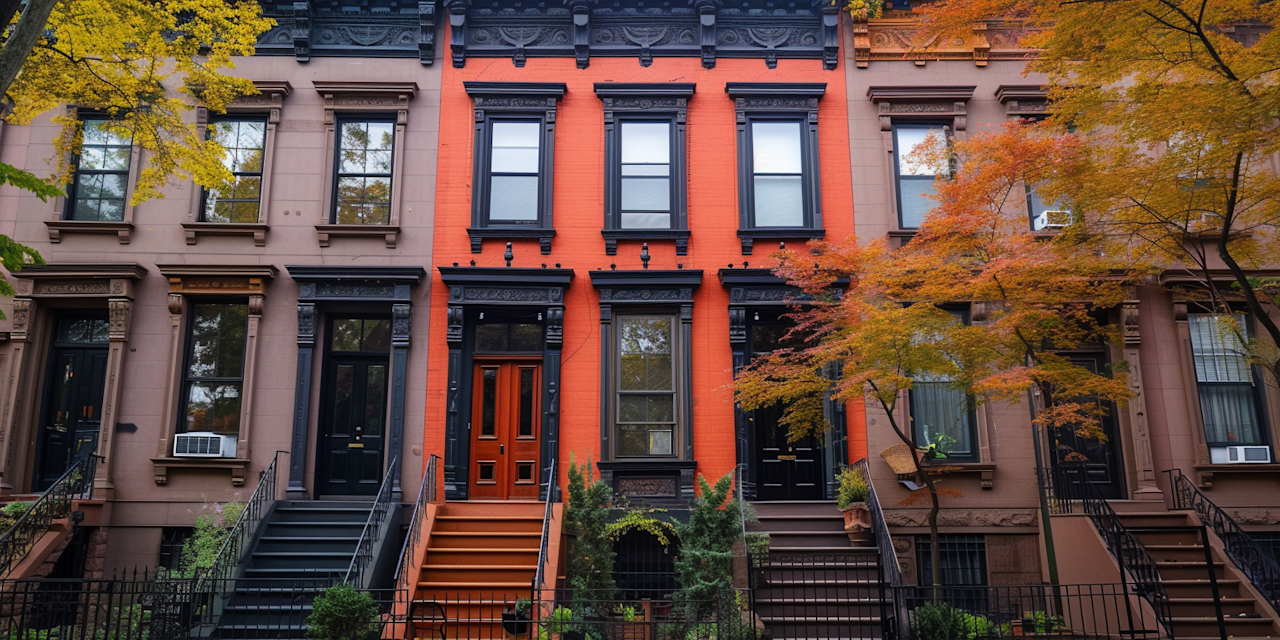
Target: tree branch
<point>25,34</point>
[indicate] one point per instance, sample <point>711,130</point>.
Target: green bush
<point>342,613</point>
<point>704,566</point>
<point>586,521</point>
<point>10,513</point>
<point>853,487</point>
<point>201,549</point>
<point>939,621</point>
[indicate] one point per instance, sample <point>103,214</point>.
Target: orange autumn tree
<point>1038,294</point>
<point>1176,104</point>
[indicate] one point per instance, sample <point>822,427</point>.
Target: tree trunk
<point>25,34</point>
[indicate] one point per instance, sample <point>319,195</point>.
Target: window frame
<point>617,392</point>
<point>636,102</point>
<point>186,380</point>
<point>69,206</point>
<point>971,414</point>
<point>512,102</point>
<point>898,152</point>
<point>778,102</point>
<point>1257,394</point>
<point>337,174</point>
<point>261,173</point>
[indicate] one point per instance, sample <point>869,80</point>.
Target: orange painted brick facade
<point>578,218</point>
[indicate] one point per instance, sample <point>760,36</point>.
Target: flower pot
<point>857,517</point>
<point>514,623</point>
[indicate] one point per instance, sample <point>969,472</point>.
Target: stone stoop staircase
<point>1179,555</point>
<point>816,584</point>
<point>304,546</point>
<point>481,558</point>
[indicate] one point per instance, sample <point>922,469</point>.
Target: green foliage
<point>705,565</point>
<point>853,487</point>
<point>758,545</point>
<point>1042,622</point>
<point>201,549</point>
<point>28,182</point>
<point>343,613</point>
<point>560,621</point>
<point>586,520</point>
<point>10,513</point>
<point>938,621</point>
<point>641,519</point>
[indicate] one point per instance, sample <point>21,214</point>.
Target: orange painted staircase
<point>480,557</point>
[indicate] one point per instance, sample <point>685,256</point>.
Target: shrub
<point>705,564</point>
<point>202,547</point>
<point>10,513</point>
<point>853,487</point>
<point>342,613</point>
<point>938,621</point>
<point>591,556</point>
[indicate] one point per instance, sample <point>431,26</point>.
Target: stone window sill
<point>544,236</point>
<point>237,466</point>
<point>984,470</point>
<point>389,233</point>
<point>1207,471</point>
<point>749,236</point>
<point>122,230</point>
<point>195,229</point>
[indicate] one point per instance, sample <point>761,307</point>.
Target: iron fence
<point>74,484</point>
<point>832,594</point>
<point>148,606</point>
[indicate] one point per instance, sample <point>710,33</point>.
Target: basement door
<point>505,419</point>
<point>72,412</point>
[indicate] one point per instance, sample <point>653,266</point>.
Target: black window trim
<point>184,393</point>
<point>641,102</point>
<point>778,101</point>
<point>337,175</point>
<point>527,101</point>
<point>69,204</point>
<point>247,116</point>
<point>677,384</point>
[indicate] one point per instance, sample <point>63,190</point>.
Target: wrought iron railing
<point>426,495</point>
<point>553,495</point>
<point>1139,572</point>
<point>1247,554</point>
<point>372,532</point>
<point>236,544</point>
<point>893,611</point>
<point>75,484</point>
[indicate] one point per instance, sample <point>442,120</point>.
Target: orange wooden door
<point>505,419</point>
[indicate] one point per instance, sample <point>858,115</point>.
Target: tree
<point>892,330</point>
<point>143,63</point>
<point>1175,104</point>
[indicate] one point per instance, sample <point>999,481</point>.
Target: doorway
<point>785,470</point>
<point>353,413</point>
<point>72,414</point>
<point>1101,457</point>
<point>506,415</point>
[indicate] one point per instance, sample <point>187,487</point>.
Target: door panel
<point>506,420</point>
<point>1101,458</point>
<point>73,410</point>
<point>786,470</point>
<point>352,426</point>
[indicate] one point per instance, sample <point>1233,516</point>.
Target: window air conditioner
<point>1248,455</point>
<point>1053,219</point>
<point>204,444</point>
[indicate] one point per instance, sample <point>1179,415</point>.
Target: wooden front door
<point>506,416</point>
<point>73,397</point>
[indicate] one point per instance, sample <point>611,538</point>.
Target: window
<point>963,560</point>
<point>214,374</point>
<point>362,192</point>
<point>513,161</point>
<point>172,540</point>
<point>914,179</point>
<point>778,190</point>
<point>244,140</point>
<point>646,403</point>
<point>1046,215</point>
<point>1225,380</point>
<point>939,408</point>
<point>371,335</point>
<point>101,180</point>
<point>645,175</point>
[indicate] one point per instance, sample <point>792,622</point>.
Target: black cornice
<point>329,273</point>
<point>643,89</point>
<point>775,89</point>
<point>530,89</point>
<point>750,278</point>
<point>506,276</point>
<point>646,278</point>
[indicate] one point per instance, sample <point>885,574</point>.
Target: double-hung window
<point>513,160</point>
<point>362,190</point>
<point>244,140</point>
<point>940,408</point>
<point>1225,380</point>
<point>645,181</point>
<point>778,184</point>
<point>646,389</point>
<point>914,179</point>
<point>213,378</point>
<point>101,181</point>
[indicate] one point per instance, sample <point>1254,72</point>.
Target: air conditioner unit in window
<point>204,444</point>
<point>1053,219</point>
<point>1248,455</point>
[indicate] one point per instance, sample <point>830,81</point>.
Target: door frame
<point>324,413</point>
<point>47,383</point>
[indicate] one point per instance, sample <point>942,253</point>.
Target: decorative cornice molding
<point>775,89</point>
<point>509,276</point>
<point>352,88</point>
<point>216,270</point>
<point>920,93</point>
<point>644,89</point>
<point>326,28</point>
<point>525,89</point>
<point>1007,92</point>
<point>82,271</point>
<point>328,273</point>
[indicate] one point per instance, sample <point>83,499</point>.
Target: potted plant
<point>851,498</point>
<point>515,620</point>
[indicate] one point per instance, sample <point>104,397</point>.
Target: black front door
<point>1100,456</point>
<point>784,470</point>
<point>354,407</point>
<point>72,412</point>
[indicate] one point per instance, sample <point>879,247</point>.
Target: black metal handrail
<point>893,610</point>
<point>426,495</point>
<point>372,528</point>
<point>1138,570</point>
<point>1244,551</point>
<point>236,544</point>
<point>553,494</point>
<point>76,483</point>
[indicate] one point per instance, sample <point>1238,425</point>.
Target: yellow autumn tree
<point>146,64</point>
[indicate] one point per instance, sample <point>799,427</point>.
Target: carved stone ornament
<point>307,317</point>
<point>306,28</point>
<point>453,332</point>
<point>119,313</point>
<point>647,487</point>
<point>401,324</point>
<point>73,288</point>
<point>23,309</point>
<point>555,326</point>
<point>175,304</point>
<point>1129,323</point>
<point>256,305</point>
